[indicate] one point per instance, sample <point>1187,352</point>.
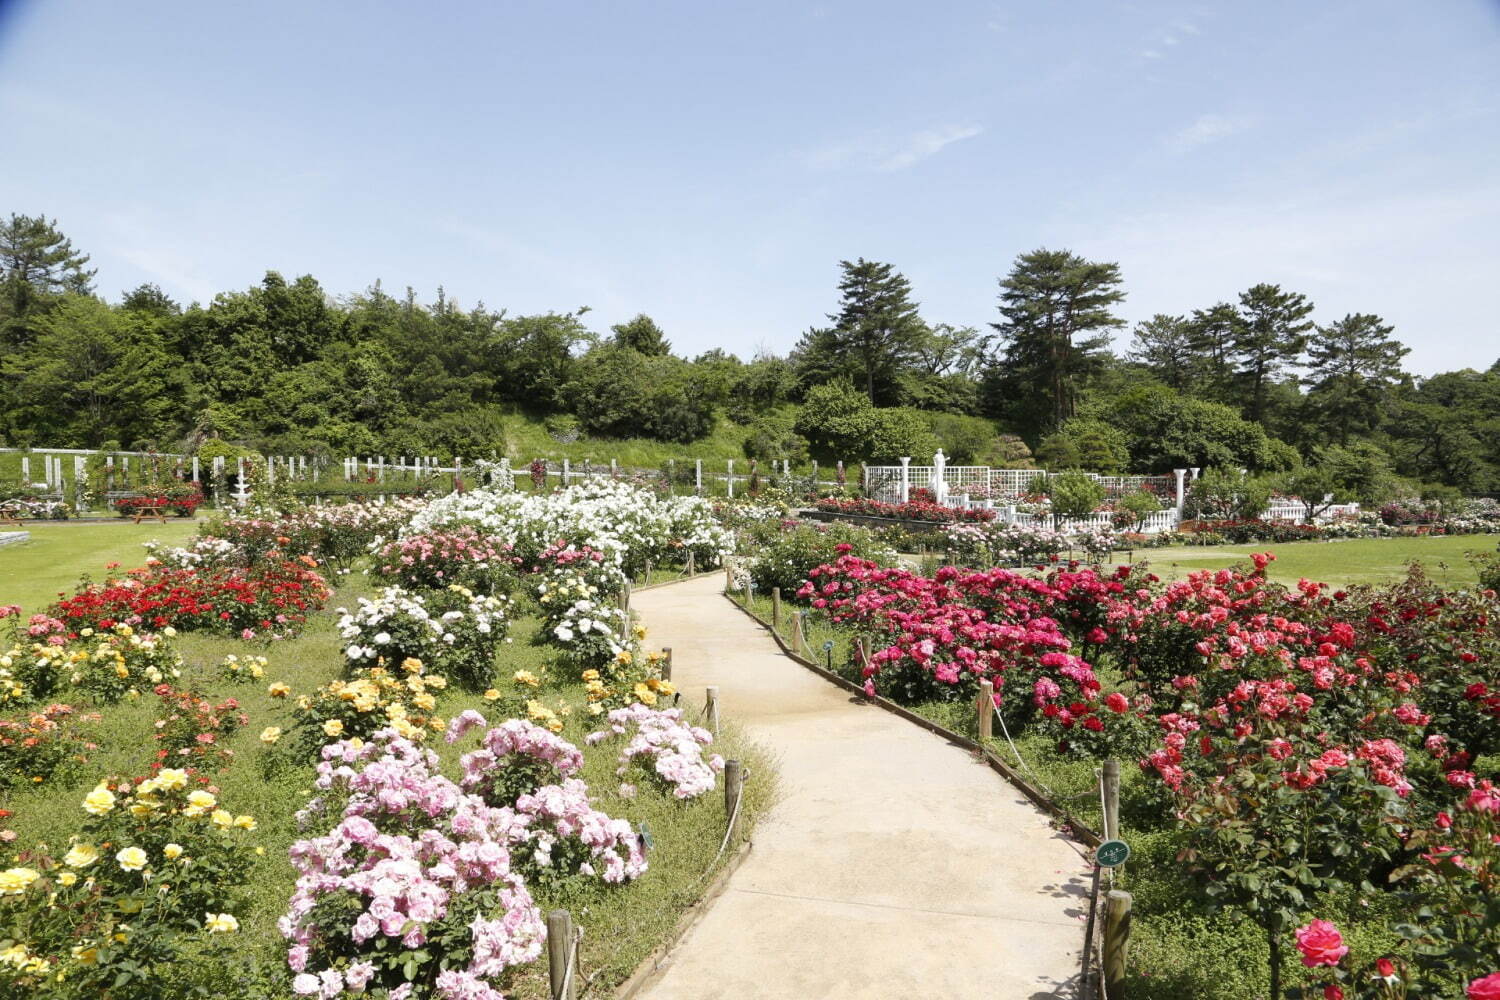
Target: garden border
<point>1071,826</point>
<point>657,960</point>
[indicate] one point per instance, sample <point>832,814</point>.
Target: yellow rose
<point>245,822</point>
<point>67,878</point>
<point>221,923</point>
<point>411,665</point>
<point>333,727</point>
<point>172,851</point>
<point>171,778</point>
<point>279,690</point>
<point>221,818</point>
<point>199,802</point>
<point>98,802</point>
<point>13,881</point>
<point>81,856</point>
<point>491,695</point>
<point>131,859</point>
<point>270,735</point>
<point>526,677</point>
<point>86,956</point>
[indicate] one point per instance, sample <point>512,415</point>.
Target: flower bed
<point>270,600</point>
<point>1297,742</point>
<point>912,510</point>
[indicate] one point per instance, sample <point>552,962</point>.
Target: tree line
<point>1263,382</point>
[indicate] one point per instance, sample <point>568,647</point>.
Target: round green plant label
<point>1112,853</point>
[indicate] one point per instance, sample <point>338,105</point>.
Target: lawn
<point>32,573</point>
<point>1342,562</point>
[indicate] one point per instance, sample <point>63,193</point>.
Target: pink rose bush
<point>410,859</point>
<point>663,748</point>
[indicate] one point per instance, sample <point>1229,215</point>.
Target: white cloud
<point>1207,128</point>
<point>884,152</point>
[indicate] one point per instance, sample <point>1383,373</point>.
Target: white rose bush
<point>453,631</point>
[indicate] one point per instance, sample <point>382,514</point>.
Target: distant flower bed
<point>182,505</point>
<point>271,600</point>
<point>912,510</point>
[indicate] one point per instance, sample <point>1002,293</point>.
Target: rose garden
<point>365,748</point>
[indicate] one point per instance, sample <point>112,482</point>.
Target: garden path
<point>892,864</point>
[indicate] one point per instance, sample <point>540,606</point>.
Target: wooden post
<point>711,709</point>
<point>986,707</point>
<point>1111,798</point>
<point>561,954</point>
<point>1116,941</point>
<point>625,597</point>
<point>734,783</point>
<point>749,591</point>
<point>799,637</point>
<point>666,663</point>
<point>775,609</point>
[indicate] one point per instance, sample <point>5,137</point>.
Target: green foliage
<point>964,439</point>
<point>839,423</point>
<point>1080,443</point>
<point>774,437</point>
<point>617,391</point>
<point>1139,505</point>
<point>1220,495</point>
<point>785,557</point>
<point>1167,431</point>
<point>1074,495</point>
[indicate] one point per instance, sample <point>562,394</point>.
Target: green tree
<point>1165,344</point>
<point>1354,363</point>
<point>876,331</point>
<point>1074,495</point>
<point>37,265</point>
<point>83,382</point>
<point>643,335</point>
<point>1081,443</point>
<point>1055,307</point>
<point>1211,336</point>
<point>1268,340</point>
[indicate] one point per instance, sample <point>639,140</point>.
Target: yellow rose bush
<point>107,664</point>
<point>404,699</point>
<point>140,904</point>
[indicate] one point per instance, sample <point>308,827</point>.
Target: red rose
<point>1321,944</point>
<point>1117,702</point>
<point>1385,967</point>
<point>1487,988</point>
<point>1332,992</point>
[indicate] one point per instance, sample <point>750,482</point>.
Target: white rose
<point>381,638</point>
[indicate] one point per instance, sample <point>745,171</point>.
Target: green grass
<point>34,572</point>
<point>1342,562</point>
<point>622,923</point>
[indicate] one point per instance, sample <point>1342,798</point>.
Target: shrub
<point>787,556</point>
<point>436,559</point>
<point>140,906</point>
<point>453,631</point>
<point>1074,495</point>
<point>44,744</point>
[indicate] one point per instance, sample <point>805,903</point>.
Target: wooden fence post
<point>776,609</point>
<point>734,783</point>
<point>1111,799</point>
<point>666,663</point>
<point>561,955</point>
<point>711,708</point>
<point>986,707</point>
<point>1116,941</point>
<point>799,628</point>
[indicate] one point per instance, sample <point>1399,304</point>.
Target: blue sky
<point>710,163</point>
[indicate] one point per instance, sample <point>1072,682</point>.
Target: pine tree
<point>877,329</point>
<point>1165,345</point>
<point>1269,339</point>
<point>1353,364</point>
<point>1211,334</point>
<point>1055,307</point>
<point>38,263</point>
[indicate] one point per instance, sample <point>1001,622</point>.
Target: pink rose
<point>1487,988</point>
<point>1321,944</point>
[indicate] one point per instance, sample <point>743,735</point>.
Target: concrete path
<point>893,864</point>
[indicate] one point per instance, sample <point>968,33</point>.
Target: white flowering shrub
<point>629,525</point>
<point>453,631</point>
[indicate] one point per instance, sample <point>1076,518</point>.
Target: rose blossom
<point>1321,944</point>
